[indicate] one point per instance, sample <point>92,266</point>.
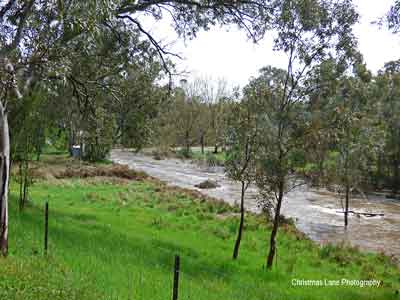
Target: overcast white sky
<point>228,54</point>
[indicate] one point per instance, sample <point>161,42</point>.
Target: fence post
<point>46,227</point>
<point>176,278</point>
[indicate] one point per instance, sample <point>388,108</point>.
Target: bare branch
<point>160,50</point>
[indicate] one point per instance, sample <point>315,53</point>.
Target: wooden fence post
<point>176,278</point>
<point>46,227</point>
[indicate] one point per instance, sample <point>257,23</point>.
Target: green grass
<point>111,240</point>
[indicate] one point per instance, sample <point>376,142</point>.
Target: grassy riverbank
<point>114,234</point>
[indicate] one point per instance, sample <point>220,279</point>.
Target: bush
<point>211,160</point>
<point>184,153</point>
<point>340,254</point>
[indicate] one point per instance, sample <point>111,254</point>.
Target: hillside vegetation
<point>113,234</point>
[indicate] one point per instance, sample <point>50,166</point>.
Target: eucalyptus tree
<point>29,120</point>
<point>142,103</point>
<point>212,92</point>
<point>36,37</point>
<point>387,93</point>
<point>186,116</point>
<point>114,88</point>
<point>343,138</point>
<point>323,83</point>
<point>203,125</point>
<point>217,94</point>
<point>277,142</point>
<point>242,138</point>
<point>308,32</point>
<point>352,137</point>
<point>23,57</point>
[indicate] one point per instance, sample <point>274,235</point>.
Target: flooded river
<point>315,212</point>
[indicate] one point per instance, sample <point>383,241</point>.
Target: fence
<point>184,280</point>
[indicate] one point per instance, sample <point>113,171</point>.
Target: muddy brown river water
<point>315,211</point>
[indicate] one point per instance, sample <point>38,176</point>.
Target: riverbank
<point>114,234</point>
<point>315,213</point>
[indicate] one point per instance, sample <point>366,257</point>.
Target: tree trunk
<point>396,176</point>
<point>346,211</point>
<point>379,173</point>
<point>71,141</point>
<point>215,148</point>
<point>272,245</point>
<point>4,175</point>
<point>239,236</point>
<point>26,184</point>
<point>202,143</point>
<point>23,192</point>
<point>187,142</point>
<point>320,170</point>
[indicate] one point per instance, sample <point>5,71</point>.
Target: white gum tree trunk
<point>4,178</point>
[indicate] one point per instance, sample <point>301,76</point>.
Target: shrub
<point>184,153</point>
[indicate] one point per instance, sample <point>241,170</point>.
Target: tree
<point>141,106</point>
<point>308,32</point>
<point>341,135</point>
<point>277,129</point>
<point>216,95</point>
<point>29,119</point>
<point>351,138</point>
<point>27,32</point>
<point>242,146</point>
<point>322,82</point>
<point>387,93</point>
<point>186,114</point>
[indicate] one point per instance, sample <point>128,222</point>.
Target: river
<point>315,211</point>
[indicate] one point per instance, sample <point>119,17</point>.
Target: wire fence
<point>188,276</point>
<point>189,280</point>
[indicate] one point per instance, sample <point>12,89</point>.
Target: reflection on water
<point>316,213</point>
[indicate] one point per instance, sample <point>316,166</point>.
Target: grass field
<point>112,236</point>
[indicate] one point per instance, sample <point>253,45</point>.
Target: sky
<point>227,53</point>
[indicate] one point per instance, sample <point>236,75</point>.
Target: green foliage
<point>99,136</point>
<point>242,141</point>
<point>353,135</point>
<point>57,141</point>
<point>211,159</point>
<point>29,122</point>
<point>184,153</point>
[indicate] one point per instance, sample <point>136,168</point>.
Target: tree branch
<point>6,8</point>
<point>160,50</point>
